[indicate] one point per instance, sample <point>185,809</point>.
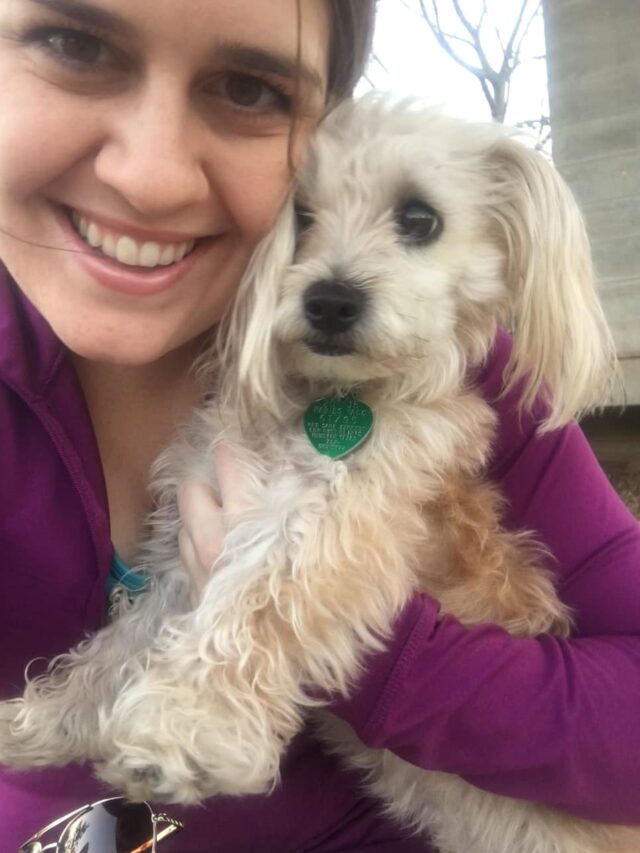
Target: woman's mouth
<point>132,263</point>
<point>126,249</point>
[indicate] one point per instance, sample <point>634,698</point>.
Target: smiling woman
<point>147,155</point>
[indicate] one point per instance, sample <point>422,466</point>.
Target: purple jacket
<point>552,720</point>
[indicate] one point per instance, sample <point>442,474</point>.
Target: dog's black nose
<point>333,306</point>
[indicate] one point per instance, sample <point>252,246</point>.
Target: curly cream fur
<point>175,702</point>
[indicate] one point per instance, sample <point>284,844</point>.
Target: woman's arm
<point>550,720</point>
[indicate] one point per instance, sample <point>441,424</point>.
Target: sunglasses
<point>107,826</point>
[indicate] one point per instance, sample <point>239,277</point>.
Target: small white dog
<point>416,236</point>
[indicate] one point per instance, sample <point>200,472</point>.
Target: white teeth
<point>128,251</point>
<point>94,235</point>
<point>150,255</point>
<point>167,256</point>
<point>109,246</point>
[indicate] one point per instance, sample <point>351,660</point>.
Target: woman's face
<point>139,127</point>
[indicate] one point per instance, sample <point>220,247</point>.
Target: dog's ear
<point>563,349</point>
<point>250,361</point>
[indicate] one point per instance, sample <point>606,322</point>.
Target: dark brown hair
<point>352,23</point>
<point>351,37</point>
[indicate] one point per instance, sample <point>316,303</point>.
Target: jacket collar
<point>30,352</point>
<point>36,366</point>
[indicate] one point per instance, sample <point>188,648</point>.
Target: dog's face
<point>394,247</point>
<point>417,235</point>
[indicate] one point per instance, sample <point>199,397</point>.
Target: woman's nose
<point>153,155</point>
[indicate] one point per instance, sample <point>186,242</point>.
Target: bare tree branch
<point>441,37</point>
<point>495,82</point>
<point>483,15</point>
<point>379,62</point>
<point>460,39</point>
<point>542,128</point>
<point>489,96</point>
<point>509,48</point>
<point>518,47</point>
<point>473,31</point>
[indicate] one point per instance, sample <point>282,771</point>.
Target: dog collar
<point>336,426</point>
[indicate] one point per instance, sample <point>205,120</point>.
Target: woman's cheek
<point>28,166</point>
<point>253,180</point>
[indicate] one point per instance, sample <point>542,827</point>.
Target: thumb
<point>200,540</point>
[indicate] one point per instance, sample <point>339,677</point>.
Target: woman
<point>134,135</point>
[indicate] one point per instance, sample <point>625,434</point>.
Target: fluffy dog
<point>412,237</point>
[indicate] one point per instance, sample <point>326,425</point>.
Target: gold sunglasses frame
<point>34,845</point>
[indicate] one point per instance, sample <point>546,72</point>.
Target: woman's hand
<point>204,518</point>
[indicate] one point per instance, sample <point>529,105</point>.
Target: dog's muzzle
<point>332,310</point>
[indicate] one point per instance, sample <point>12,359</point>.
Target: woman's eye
<point>418,222</point>
<point>70,46</point>
<point>252,93</point>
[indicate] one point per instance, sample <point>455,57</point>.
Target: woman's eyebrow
<point>245,56</point>
<point>85,13</point>
<point>268,62</point>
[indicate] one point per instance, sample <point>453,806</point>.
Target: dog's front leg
<point>61,715</point>
<point>198,723</point>
<point>55,722</point>
<point>228,685</point>
<point>214,710</point>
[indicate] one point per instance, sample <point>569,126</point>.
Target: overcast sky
<point>417,65</point>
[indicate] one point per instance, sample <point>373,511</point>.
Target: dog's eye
<point>418,222</point>
<point>304,218</point>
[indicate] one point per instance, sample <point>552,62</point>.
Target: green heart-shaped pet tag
<point>337,425</point>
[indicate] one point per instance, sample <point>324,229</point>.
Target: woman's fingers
<point>200,540</point>
<point>230,480</point>
<point>203,516</point>
<point>194,568</point>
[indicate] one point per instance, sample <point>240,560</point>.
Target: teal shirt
<point>121,575</point>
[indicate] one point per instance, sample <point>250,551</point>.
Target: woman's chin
<point>136,348</point>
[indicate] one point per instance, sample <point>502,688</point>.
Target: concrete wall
<point>593,58</point>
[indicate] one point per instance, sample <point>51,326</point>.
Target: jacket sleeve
<point>550,720</point>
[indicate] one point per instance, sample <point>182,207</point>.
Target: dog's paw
<point>138,781</point>
<point>135,778</point>
<point>167,743</point>
<point>170,781</point>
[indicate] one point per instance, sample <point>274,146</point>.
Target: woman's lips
<point>133,281</point>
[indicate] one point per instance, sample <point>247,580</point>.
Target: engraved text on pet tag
<point>337,425</point>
